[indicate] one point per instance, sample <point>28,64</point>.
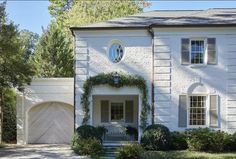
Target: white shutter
<point>185,52</point>
<point>214,122</point>
<point>182,111</point>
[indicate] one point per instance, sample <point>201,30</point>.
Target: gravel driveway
<point>38,151</point>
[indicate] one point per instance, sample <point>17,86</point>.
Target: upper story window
<point>116,52</point>
<point>197,51</point>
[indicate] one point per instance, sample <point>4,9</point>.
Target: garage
<point>51,123</point>
<point>45,111</point>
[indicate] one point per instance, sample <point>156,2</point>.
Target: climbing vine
<point>124,80</point>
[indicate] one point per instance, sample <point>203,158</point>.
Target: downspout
<point>151,32</point>
<point>74,46</point>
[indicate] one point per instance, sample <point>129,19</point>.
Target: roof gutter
<point>108,28</point>
<point>190,25</point>
<point>72,29</point>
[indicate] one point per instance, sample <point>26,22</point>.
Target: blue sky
<point>32,14</point>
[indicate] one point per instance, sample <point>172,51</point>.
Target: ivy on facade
<point>124,80</point>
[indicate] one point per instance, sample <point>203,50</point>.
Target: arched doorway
<point>51,123</point>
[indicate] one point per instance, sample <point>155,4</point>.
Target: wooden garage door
<point>50,123</point>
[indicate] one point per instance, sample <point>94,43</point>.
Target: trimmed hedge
<point>205,139</point>
<point>178,141</point>
<point>156,137</point>
<point>88,131</point>
<point>87,146</point>
<point>130,151</point>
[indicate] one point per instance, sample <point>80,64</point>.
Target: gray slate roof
<point>214,16</point>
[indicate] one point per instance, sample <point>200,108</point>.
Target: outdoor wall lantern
<point>116,78</point>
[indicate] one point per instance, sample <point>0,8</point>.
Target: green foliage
<point>156,137</point>
<point>178,141</point>
<point>205,139</point>
<point>58,7</point>
<point>77,13</point>
<point>132,132</point>
<point>186,155</point>
<point>9,117</point>
<point>88,131</point>
<point>88,146</point>
<point>125,80</point>
<point>2,146</point>
<point>14,70</point>
<point>198,139</point>
<point>54,54</point>
<point>101,131</point>
<point>130,151</point>
<point>231,145</point>
<point>28,42</point>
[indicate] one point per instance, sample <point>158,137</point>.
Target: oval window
<point>116,52</point>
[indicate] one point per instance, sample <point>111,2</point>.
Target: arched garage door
<point>50,122</point>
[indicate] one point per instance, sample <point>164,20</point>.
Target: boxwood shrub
<point>205,139</point>
<point>88,131</point>
<point>87,146</point>
<point>156,137</point>
<point>130,151</point>
<point>178,141</point>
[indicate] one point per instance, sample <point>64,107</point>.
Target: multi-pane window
<point>116,52</point>
<point>117,111</point>
<point>197,110</point>
<point>197,51</point>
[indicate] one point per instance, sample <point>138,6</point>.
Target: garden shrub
<point>88,131</point>
<point>130,151</point>
<point>89,146</point>
<point>9,116</point>
<point>205,139</point>
<point>101,131</point>
<point>156,137</point>
<point>233,142</point>
<point>198,139</point>
<point>132,132</point>
<point>230,145</point>
<point>178,141</point>
<point>219,141</point>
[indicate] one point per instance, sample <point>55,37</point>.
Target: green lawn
<point>187,155</point>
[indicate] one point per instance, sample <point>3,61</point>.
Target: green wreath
<point>124,80</point>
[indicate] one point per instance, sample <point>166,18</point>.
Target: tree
<point>85,12</point>
<point>58,7</point>
<point>15,71</point>
<point>54,55</point>
<point>28,42</point>
<point>9,118</point>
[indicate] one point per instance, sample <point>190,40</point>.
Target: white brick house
<point>188,59</point>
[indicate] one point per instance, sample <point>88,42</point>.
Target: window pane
<point>115,52</point>
<point>197,51</point>
<point>197,110</point>
<point>117,111</point>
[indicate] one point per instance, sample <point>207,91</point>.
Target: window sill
<point>198,65</point>
<point>196,126</point>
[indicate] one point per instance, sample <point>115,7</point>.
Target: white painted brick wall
<point>137,58</point>
<point>170,77</point>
